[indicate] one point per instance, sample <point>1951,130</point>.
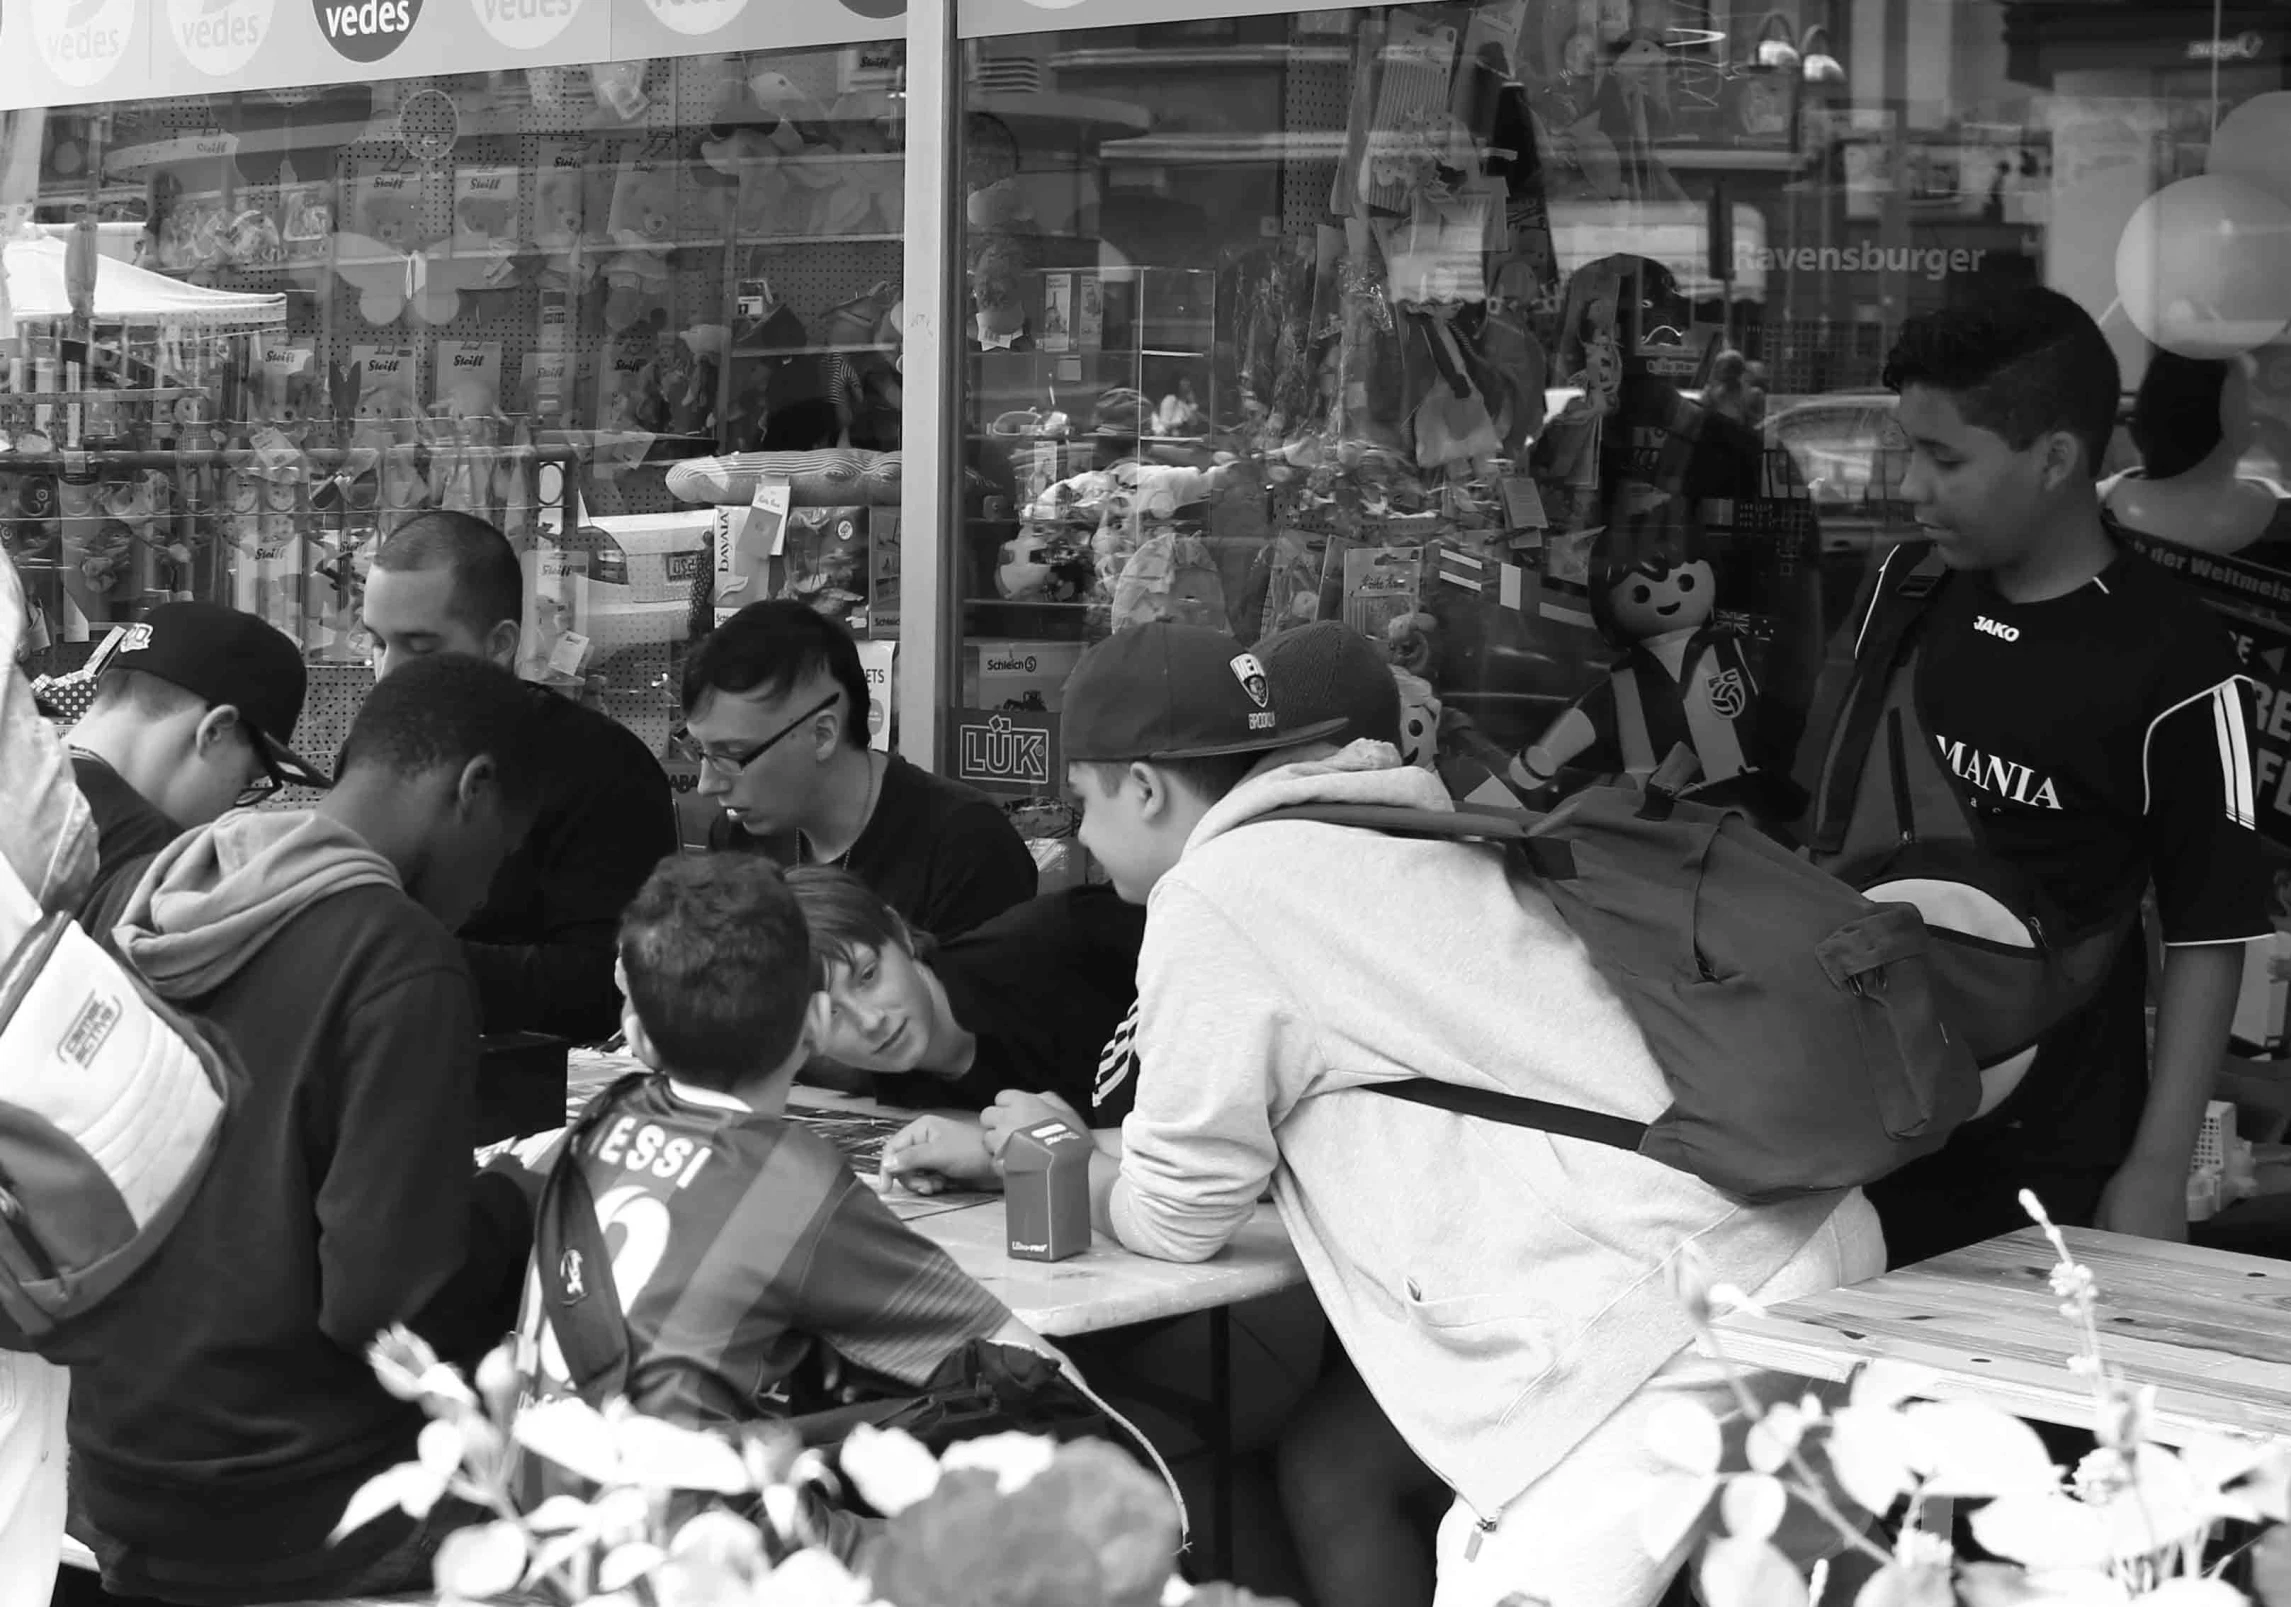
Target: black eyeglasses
<point>266,785</point>
<point>731,764</point>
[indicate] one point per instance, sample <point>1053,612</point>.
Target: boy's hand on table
<point>1014,1110</point>
<point>933,1154</point>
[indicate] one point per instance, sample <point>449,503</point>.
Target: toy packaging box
<point>744,541</point>
<point>1029,676</point>
<point>883,571</point>
<point>555,642</point>
<point>469,376</point>
<point>485,211</point>
<point>827,558</point>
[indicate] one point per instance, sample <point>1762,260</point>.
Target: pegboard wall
<point>1316,98</point>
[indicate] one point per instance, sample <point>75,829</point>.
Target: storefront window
<point>528,293</point>
<point>1541,343</point>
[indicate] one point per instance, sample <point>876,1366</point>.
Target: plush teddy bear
<point>390,219</point>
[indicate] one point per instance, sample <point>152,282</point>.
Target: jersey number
<point>643,1221</point>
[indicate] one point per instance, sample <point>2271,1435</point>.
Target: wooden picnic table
<point>2210,1329</point>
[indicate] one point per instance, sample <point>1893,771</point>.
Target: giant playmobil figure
<point>1681,679</point>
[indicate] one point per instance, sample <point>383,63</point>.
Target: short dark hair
<point>845,916</point>
<point>1208,777</point>
<point>719,967</point>
<point>152,696</point>
<point>774,648</point>
<point>488,584</point>
<point>2020,362</point>
<point>441,711</point>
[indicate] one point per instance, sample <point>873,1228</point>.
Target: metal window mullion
<point>929,507</point>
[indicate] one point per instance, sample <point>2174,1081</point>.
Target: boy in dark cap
<point>193,711</point>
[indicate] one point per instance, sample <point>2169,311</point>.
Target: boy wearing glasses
<point>776,701</point>
<point>192,713</point>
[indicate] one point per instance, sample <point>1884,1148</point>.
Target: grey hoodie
<point>214,896</point>
<point>1502,1291</point>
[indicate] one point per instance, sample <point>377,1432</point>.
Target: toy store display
<point>1399,411</point>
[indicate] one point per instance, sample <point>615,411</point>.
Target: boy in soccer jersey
<point>2092,713</point>
<point>742,1243</point>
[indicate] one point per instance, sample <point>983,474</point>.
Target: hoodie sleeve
<point>1220,1047</point>
<point>398,1212</point>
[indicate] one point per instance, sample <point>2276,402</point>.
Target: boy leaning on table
<point>748,1252</point>
<point>1505,1293</point>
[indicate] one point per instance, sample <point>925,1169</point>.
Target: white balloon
<point>2203,267</point>
<point>2253,143</point>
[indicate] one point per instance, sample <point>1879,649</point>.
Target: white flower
<point>890,1468</point>
<point>406,1366</point>
<point>620,1447</point>
<point>812,1579</point>
<point>1014,1459</point>
<point>483,1561</point>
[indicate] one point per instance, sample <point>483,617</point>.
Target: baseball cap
<point>1170,691</point>
<point>1328,670</point>
<point>225,656</point>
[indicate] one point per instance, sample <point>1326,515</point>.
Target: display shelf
<point>1131,59</point>
<point>1094,118</point>
<point>817,239</point>
<point>162,393</point>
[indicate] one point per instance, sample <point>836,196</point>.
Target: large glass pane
<point>1541,343</point>
<point>527,294</point>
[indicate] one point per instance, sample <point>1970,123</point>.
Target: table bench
<point>2206,1327</point>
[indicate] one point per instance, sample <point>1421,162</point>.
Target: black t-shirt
<point>127,824</point>
<point>541,947</point>
<point>2103,740</point>
<point>1044,986</point>
<point>940,853</point>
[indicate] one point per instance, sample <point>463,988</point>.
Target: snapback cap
<point>1327,669</point>
<point>225,656</point>
<point>1170,691</point>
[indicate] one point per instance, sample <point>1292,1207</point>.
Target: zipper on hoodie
<point>1481,1529</point>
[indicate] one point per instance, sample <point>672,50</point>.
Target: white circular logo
<point>525,24</point>
<point>82,40</point>
<point>219,36</point>
<point>697,16</point>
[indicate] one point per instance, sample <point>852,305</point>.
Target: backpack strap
<point>1907,584</point>
<point>578,1295</point>
<point>1546,857</point>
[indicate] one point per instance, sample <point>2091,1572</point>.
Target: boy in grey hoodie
<point>230,1412</point>
<point>1506,1294</point>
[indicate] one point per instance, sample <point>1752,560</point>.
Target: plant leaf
<point>1685,1435</point>
<point>724,1539</point>
<point>817,1579</point>
<point>1774,1437</point>
<point>484,1560</point>
<point>664,1456</point>
<point>625,1565</point>
<point>1674,1505</point>
<point>1752,1506</point>
<point>558,1514</point>
<point>574,1435</point>
<point>2045,1532</point>
<point>553,1553</point>
<point>1979,1451</point>
<point>439,1448</point>
<point>1749,1573</point>
<point>889,1467</point>
<point>1014,1459</point>
<point>2193,1590</point>
<point>384,1492</point>
<point>1883,1382</point>
<point>1897,1584</point>
<point>1871,1451</point>
<point>2271,1568</point>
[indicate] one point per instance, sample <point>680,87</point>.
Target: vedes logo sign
<point>82,40</point>
<point>525,24</point>
<point>219,36</point>
<point>366,30</point>
<point>696,16</point>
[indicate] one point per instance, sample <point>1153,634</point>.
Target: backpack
<point>983,1388</point>
<point>1890,820</point>
<point>1792,1018</point>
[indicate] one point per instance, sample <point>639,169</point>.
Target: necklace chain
<point>867,813</point>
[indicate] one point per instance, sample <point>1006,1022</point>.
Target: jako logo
<point>2003,633</point>
<point>366,30</point>
<point>525,24</point>
<point>219,36</point>
<point>697,16</point>
<point>82,40</point>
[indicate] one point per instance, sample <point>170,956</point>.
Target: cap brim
<point>292,768</point>
<point>1269,742</point>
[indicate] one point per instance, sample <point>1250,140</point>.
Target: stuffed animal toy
<point>559,208</point>
<point>867,195</point>
<point>391,220</point>
<point>1680,680</point>
<point>998,299</point>
<point>764,192</point>
<point>643,214</point>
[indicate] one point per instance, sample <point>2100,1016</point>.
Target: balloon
<point>2204,267</point>
<point>2253,143</point>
